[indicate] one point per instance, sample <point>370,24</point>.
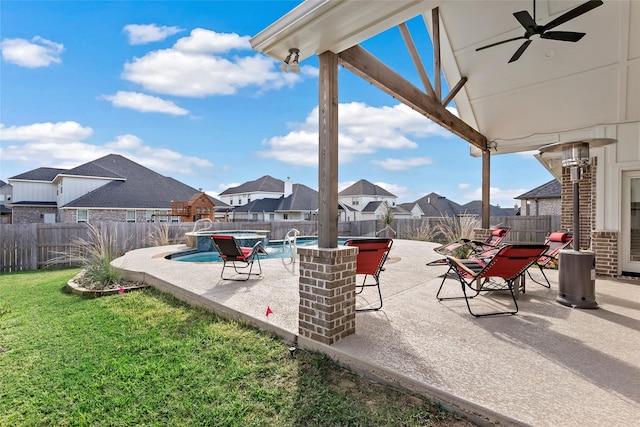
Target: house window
<point>163,216</point>
<point>355,201</point>
<point>285,216</point>
<point>231,201</point>
<point>83,215</point>
<point>131,216</point>
<point>175,219</point>
<point>150,215</point>
<point>254,216</point>
<point>272,217</point>
<point>248,199</point>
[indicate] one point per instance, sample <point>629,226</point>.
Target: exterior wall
<point>70,188</point>
<point>539,207</point>
<point>37,191</point>
<point>31,215</point>
<point>247,197</point>
<point>605,247</point>
<point>109,215</point>
<point>364,200</point>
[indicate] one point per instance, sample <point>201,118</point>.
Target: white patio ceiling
<point>555,92</point>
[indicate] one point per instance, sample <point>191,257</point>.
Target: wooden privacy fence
<point>32,246</point>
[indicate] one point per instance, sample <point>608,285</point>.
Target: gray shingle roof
<point>475,208</point>
<point>365,188</point>
<point>142,188</point>
<point>302,198</point>
<point>435,205</point>
<point>40,174</point>
<point>265,184</point>
<point>549,190</point>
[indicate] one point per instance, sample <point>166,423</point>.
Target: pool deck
<point>549,365</point>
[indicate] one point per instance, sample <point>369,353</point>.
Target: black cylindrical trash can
<point>577,279</point>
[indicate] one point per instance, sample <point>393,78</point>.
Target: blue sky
<point>175,86</point>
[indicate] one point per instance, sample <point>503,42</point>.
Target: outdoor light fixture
<point>294,67</point>
<point>576,277</point>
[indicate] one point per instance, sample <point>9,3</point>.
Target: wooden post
<point>486,188</point>
<point>435,16</point>
<point>328,151</point>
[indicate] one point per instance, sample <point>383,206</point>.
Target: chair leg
<point>497,313</point>
<point>377,279</point>
<point>462,283</point>
<point>246,275</point>
<point>548,285</point>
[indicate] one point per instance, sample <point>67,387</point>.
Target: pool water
<point>274,249</point>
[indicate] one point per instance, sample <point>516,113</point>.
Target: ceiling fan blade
<point>520,51</point>
<point>525,19</point>
<point>565,36</point>
<point>503,41</point>
<point>573,13</point>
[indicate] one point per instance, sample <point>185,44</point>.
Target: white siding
<point>74,187</point>
<point>33,191</point>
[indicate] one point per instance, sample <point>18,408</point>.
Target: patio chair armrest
<point>458,264</point>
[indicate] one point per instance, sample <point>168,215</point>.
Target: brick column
<point>587,203</point>
<point>327,293</point>
<point>481,234</point>
<point>605,247</point>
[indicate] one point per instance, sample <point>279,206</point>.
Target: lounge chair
<point>507,264</point>
<point>474,248</point>
<point>231,252</point>
<point>372,254</point>
<point>557,241</point>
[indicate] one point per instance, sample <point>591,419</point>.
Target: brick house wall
<point>587,203</point>
<point>31,214</point>
<point>105,215</point>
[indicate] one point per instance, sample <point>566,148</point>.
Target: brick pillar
<point>605,247</point>
<point>327,293</point>
<point>481,234</point>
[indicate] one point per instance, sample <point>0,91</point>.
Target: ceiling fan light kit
<point>533,30</point>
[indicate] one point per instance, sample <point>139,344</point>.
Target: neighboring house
<point>265,187</point>
<point>475,208</point>
<point>111,188</point>
<point>543,200</point>
<point>413,208</point>
<point>434,206</point>
<point>5,197</point>
<point>376,210</point>
<point>359,195</point>
<point>300,204</point>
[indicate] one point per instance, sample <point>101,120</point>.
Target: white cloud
<point>363,130</point>
<point>498,196</point>
<point>402,164</point>
<point>34,53</point>
<point>62,145</point>
<point>464,185</point>
<point>148,33</point>
<point>194,67</point>
<point>144,103</point>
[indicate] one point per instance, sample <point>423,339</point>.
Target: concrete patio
<point>549,365</point>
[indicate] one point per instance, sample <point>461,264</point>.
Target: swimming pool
<point>275,249</point>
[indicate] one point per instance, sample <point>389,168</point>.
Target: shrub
<point>424,232</point>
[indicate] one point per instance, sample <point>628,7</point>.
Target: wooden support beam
<point>328,151</point>
<point>362,63</point>
<point>486,189</point>
<point>454,91</point>
<point>411,47</point>
<point>435,17</point>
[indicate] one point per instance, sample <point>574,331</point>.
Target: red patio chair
<point>557,241</point>
<point>507,264</point>
<point>231,252</point>
<point>475,247</point>
<point>372,254</point>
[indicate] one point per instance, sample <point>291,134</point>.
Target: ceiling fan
<point>533,29</point>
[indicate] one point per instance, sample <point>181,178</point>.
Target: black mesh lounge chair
<point>507,264</point>
<point>231,252</point>
<point>372,254</point>
<point>557,241</point>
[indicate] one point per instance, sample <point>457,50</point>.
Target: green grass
<point>145,358</point>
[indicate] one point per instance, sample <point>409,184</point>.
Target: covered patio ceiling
<point>556,91</point>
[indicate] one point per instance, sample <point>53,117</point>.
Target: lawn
<point>145,358</point>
